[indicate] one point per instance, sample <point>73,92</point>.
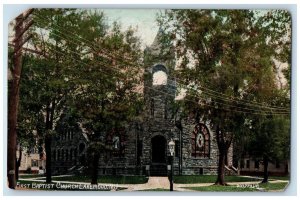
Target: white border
<point>154,4</point>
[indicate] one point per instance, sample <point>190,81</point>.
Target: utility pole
<point>13,97</point>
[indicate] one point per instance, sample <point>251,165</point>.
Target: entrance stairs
<point>158,169</point>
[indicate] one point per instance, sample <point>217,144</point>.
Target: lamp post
<point>172,152</point>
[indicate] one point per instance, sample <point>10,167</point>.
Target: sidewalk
<point>153,183</point>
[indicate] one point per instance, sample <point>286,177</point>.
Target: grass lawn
<point>106,179</point>
<point>186,179</point>
<point>156,190</point>
<point>31,175</point>
<point>285,178</point>
<point>218,188</point>
<point>273,186</point>
<point>32,185</point>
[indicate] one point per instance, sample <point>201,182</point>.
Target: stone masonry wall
<point>198,165</point>
<point>68,150</point>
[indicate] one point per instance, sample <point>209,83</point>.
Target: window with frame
<point>200,141</point>
<point>75,153</point>
<point>117,138</point>
<point>34,163</point>
<point>167,109</point>
<point>67,154</point>
<point>152,107</point>
<point>177,148</point>
<point>58,154</point>
<point>62,154</point>
<point>54,155</point>
<point>242,163</point>
<point>277,164</point>
<point>71,154</point>
<point>139,151</point>
<point>256,164</point>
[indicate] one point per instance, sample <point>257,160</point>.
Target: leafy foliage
<point>86,70</point>
<point>271,138</point>
<point>227,66</point>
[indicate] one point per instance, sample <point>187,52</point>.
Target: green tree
<point>233,52</point>
<point>270,141</point>
<point>109,92</point>
<point>50,73</point>
<point>29,115</point>
<point>85,69</point>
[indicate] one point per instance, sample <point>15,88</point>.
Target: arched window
<point>67,154</point>
<point>65,134</point>
<point>200,141</point>
<point>58,154</point>
<point>81,148</point>
<point>159,75</point>
<point>75,152</point>
<point>152,107</point>
<point>160,78</point>
<point>63,154</point>
<point>54,155</point>
<point>166,109</point>
<point>71,154</point>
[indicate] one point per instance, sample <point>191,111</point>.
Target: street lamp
<point>172,152</point>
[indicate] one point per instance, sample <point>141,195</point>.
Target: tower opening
<point>159,75</point>
<point>160,78</point>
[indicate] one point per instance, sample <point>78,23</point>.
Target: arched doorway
<point>158,146</point>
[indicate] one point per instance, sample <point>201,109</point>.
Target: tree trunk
<point>221,167</point>
<point>286,169</point>
<point>13,105</point>
<point>223,141</point>
<point>266,173</point>
<point>48,141</point>
<point>18,163</point>
<point>94,172</point>
<point>226,157</point>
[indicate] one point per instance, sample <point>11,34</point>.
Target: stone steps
<point>158,170</point>
<point>230,170</point>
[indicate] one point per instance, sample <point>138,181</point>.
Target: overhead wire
<point>165,93</point>
<point>231,98</point>
<point>240,101</point>
<point>159,91</point>
<point>84,40</point>
<point>214,100</point>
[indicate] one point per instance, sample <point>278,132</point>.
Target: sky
<point>142,19</point>
<point>145,22</point>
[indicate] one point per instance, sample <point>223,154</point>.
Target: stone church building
<point>142,147</point>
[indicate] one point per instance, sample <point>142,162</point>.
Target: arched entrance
<point>158,146</point>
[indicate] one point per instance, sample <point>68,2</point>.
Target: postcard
<point>191,100</point>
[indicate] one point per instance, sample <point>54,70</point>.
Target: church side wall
<point>198,165</point>
<point>117,163</point>
<point>68,151</point>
